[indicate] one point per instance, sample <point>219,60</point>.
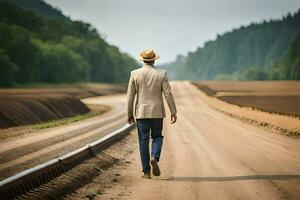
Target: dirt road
<point>209,155</point>
<point>206,155</point>
<point>23,152</point>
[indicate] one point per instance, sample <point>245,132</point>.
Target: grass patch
<point>69,120</point>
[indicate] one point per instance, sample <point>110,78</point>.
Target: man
<point>147,84</point>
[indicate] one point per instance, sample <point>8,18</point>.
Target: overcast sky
<point>171,27</point>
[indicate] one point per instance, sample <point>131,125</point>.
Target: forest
<point>38,44</point>
<point>269,50</point>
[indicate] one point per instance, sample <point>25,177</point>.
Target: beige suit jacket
<point>148,83</point>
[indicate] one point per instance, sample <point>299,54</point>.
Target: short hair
<point>149,62</point>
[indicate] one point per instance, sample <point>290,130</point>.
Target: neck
<point>150,64</point>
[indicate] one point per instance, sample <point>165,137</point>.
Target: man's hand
<point>130,120</point>
<point>173,118</point>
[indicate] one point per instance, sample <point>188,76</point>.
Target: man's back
<point>148,83</point>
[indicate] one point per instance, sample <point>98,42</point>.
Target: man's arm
<point>131,91</point>
<point>169,98</point>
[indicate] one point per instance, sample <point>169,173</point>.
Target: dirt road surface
<point>209,155</point>
<point>206,155</point>
<point>20,153</point>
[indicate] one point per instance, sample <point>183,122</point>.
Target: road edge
<point>218,105</point>
<point>31,178</point>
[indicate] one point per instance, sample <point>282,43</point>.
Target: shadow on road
<point>235,178</point>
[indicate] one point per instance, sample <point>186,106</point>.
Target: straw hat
<point>149,55</point>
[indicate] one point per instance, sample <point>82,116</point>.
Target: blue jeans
<point>144,127</point>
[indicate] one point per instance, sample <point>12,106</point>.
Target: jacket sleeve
<point>131,92</point>
<point>166,88</point>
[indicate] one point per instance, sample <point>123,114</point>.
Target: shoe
<point>146,176</point>
<point>155,167</point>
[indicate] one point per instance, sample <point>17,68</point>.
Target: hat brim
<point>157,56</point>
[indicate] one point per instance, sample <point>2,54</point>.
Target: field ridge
<point>279,122</point>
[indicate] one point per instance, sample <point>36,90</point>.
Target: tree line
<point>35,48</point>
<point>259,51</point>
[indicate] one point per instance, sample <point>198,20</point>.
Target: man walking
<point>147,84</point>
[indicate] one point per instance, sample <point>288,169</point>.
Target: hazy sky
<point>171,27</point>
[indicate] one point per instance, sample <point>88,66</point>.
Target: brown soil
<point>280,97</point>
<point>75,90</point>
<point>27,109</point>
<point>34,105</point>
<point>17,131</point>
<point>207,155</point>
<point>277,87</point>
<point>284,124</point>
<point>287,105</point>
<point>100,170</point>
<point>33,148</point>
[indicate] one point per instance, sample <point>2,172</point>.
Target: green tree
<point>8,70</point>
<point>223,77</point>
<point>258,44</point>
<point>60,64</point>
<point>274,73</point>
<point>255,74</point>
<point>290,67</point>
<point>46,46</point>
<point>18,46</point>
